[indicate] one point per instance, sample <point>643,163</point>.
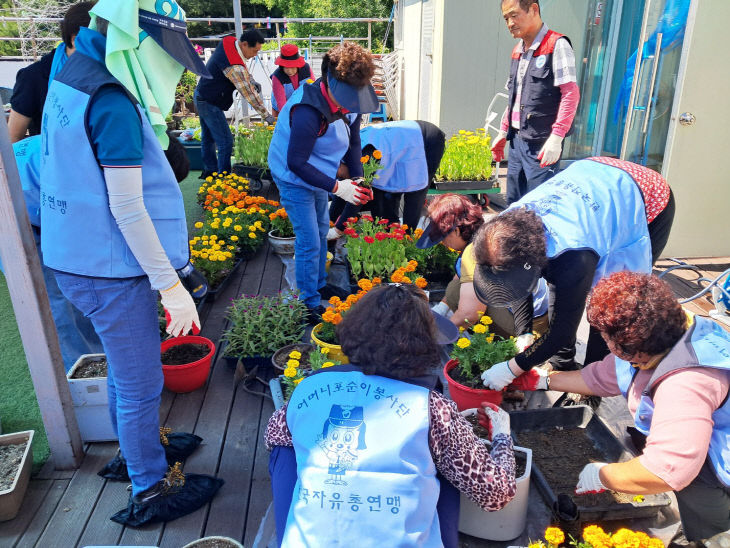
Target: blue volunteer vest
<point>591,205</point>
<point>404,158</point>
<point>705,344</point>
<point>364,466</point>
<point>27,156</point>
<point>303,74</point>
<point>79,234</point>
<point>329,148</point>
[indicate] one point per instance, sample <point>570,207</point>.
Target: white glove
<point>494,419</point>
<point>498,376</point>
<point>498,146</point>
<point>589,480</point>
<point>350,192</point>
<point>180,306</point>
<point>524,341</point>
<point>550,151</point>
<point>441,308</point>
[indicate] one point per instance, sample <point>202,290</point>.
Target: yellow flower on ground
<point>290,372</point>
<point>638,498</point>
<point>486,320</point>
<point>479,328</point>
<point>328,364</point>
<point>554,536</point>
<point>295,354</point>
<point>198,225</point>
<point>292,363</point>
<point>463,342</point>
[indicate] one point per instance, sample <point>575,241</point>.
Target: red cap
<point>290,57</point>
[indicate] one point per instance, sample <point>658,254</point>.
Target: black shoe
<point>205,174</point>
<point>331,290</point>
<point>178,447</point>
<point>174,496</point>
<point>314,315</point>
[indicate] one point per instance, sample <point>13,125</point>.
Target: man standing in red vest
<point>543,98</point>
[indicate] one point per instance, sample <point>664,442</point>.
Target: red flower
<point>394,225</point>
<point>380,236</point>
<point>352,220</point>
<point>354,235</point>
<point>368,239</point>
<point>351,232</point>
<point>383,222</point>
<point>367,218</point>
<point>398,236</point>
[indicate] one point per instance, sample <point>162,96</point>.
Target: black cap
<point>431,236</point>
<point>171,35</point>
<point>446,331</point>
<point>505,287</point>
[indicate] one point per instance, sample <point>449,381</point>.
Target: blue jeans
<point>214,130</point>
<point>523,169</point>
<point>307,210</point>
<point>124,314</point>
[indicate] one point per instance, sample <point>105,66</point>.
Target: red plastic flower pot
<point>468,398</point>
<point>190,376</point>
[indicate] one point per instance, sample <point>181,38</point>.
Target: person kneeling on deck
<point>113,225</point>
<point>674,371</point>
<point>378,440</point>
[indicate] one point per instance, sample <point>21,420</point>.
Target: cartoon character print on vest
<point>343,435</point>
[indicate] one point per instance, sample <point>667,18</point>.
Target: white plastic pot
<point>91,403</point>
<point>505,524</point>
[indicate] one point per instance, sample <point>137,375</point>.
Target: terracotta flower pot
<point>465,397</point>
<point>190,376</point>
<point>335,350</point>
<point>281,246</point>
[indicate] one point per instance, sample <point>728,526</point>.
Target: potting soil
<point>184,354</point>
<point>482,433</point>
<point>90,369</point>
<point>304,349</point>
<point>462,379</point>
<point>10,458</point>
<point>561,454</point>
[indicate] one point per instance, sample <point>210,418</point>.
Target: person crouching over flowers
<point>380,441</point>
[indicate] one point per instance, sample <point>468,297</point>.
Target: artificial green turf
<point>18,404</point>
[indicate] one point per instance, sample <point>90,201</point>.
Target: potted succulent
<point>16,457</point>
<point>87,381</point>
<point>281,235</point>
<point>260,325</point>
<point>509,522</point>
<point>476,351</point>
<point>467,162</point>
<point>186,362</point>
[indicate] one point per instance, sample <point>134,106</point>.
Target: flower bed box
<point>467,185</point>
<point>91,403</point>
<point>12,498</point>
<point>193,150</point>
<point>213,294</point>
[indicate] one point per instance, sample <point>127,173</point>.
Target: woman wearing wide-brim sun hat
<point>291,73</point>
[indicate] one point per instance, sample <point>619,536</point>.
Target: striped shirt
<point>241,78</point>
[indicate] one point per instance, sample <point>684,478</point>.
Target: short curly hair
<point>450,211</point>
<point>637,312</point>
<point>512,239</point>
<point>349,63</point>
<point>390,331</point>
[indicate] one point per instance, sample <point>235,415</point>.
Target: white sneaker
<point>334,234</point>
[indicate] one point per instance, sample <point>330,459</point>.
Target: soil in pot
<point>10,458</point>
<point>90,369</point>
<point>184,354</point>
<point>457,375</point>
<point>561,454</point>
<point>481,433</point>
<point>280,358</point>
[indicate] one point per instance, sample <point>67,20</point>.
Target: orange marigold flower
<point>365,159</point>
<point>554,536</point>
<point>377,154</point>
<point>397,276</point>
<point>406,280</point>
<point>365,284</point>
<point>335,300</point>
<point>377,280</point>
<point>421,282</point>
<point>337,319</point>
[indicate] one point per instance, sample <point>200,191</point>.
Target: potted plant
<point>281,357</point>
<point>475,352</point>
<point>375,247</point>
<point>509,522</point>
<point>299,366</point>
<point>467,162</point>
<point>215,259</point>
<point>252,151</point>
<point>214,542</point>
<point>281,235</point>
<point>594,536</point>
<point>87,381</point>
<point>16,458</point>
<point>186,362</point>
<point>260,325</point>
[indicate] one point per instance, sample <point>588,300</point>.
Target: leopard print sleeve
<point>486,478</point>
<point>277,431</point>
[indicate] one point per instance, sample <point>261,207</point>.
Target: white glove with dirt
<point>524,341</point>
<point>550,151</point>
<point>181,308</point>
<point>498,376</point>
<point>589,481</point>
<point>348,190</point>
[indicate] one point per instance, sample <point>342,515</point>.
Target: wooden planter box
<point>91,403</point>
<point>12,498</point>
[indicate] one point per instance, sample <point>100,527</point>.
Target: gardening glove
<point>180,311</point>
<point>193,280</point>
<point>589,481</point>
<point>550,151</point>
<point>494,419</point>
<point>524,341</point>
<point>498,376</point>
<point>256,86</point>
<point>269,119</point>
<point>441,308</point>
<point>535,379</point>
<point>498,146</point>
<point>350,192</point>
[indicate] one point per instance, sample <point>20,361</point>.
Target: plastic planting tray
<point>609,448</point>
<point>466,185</point>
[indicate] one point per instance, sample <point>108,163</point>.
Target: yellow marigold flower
<point>292,363</point>
<point>554,536</point>
<point>625,538</point>
<point>638,498</point>
<point>536,544</point>
<point>215,174</point>
<point>213,258</point>
<point>209,179</point>
<point>237,228</point>
<point>486,320</point>
<point>213,237</point>
<point>490,338</point>
<point>252,235</point>
<point>234,238</point>
<point>290,372</point>
<point>227,254</point>
<point>480,313</point>
<point>295,354</point>
<point>199,225</point>
<point>297,381</point>
<point>324,350</point>
<point>479,328</point>
<point>328,364</point>
<point>251,228</point>
<point>463,343</point>
<point>215,210</point>
<point>257,224</point>
<point>655,543</point>
<point>203,255</point>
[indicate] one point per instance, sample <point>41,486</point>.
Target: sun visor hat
<point>171,35</point>
<point>431,236</point>
<point>360,100</point>
<point>505,287</point>
<point>446,331</point>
